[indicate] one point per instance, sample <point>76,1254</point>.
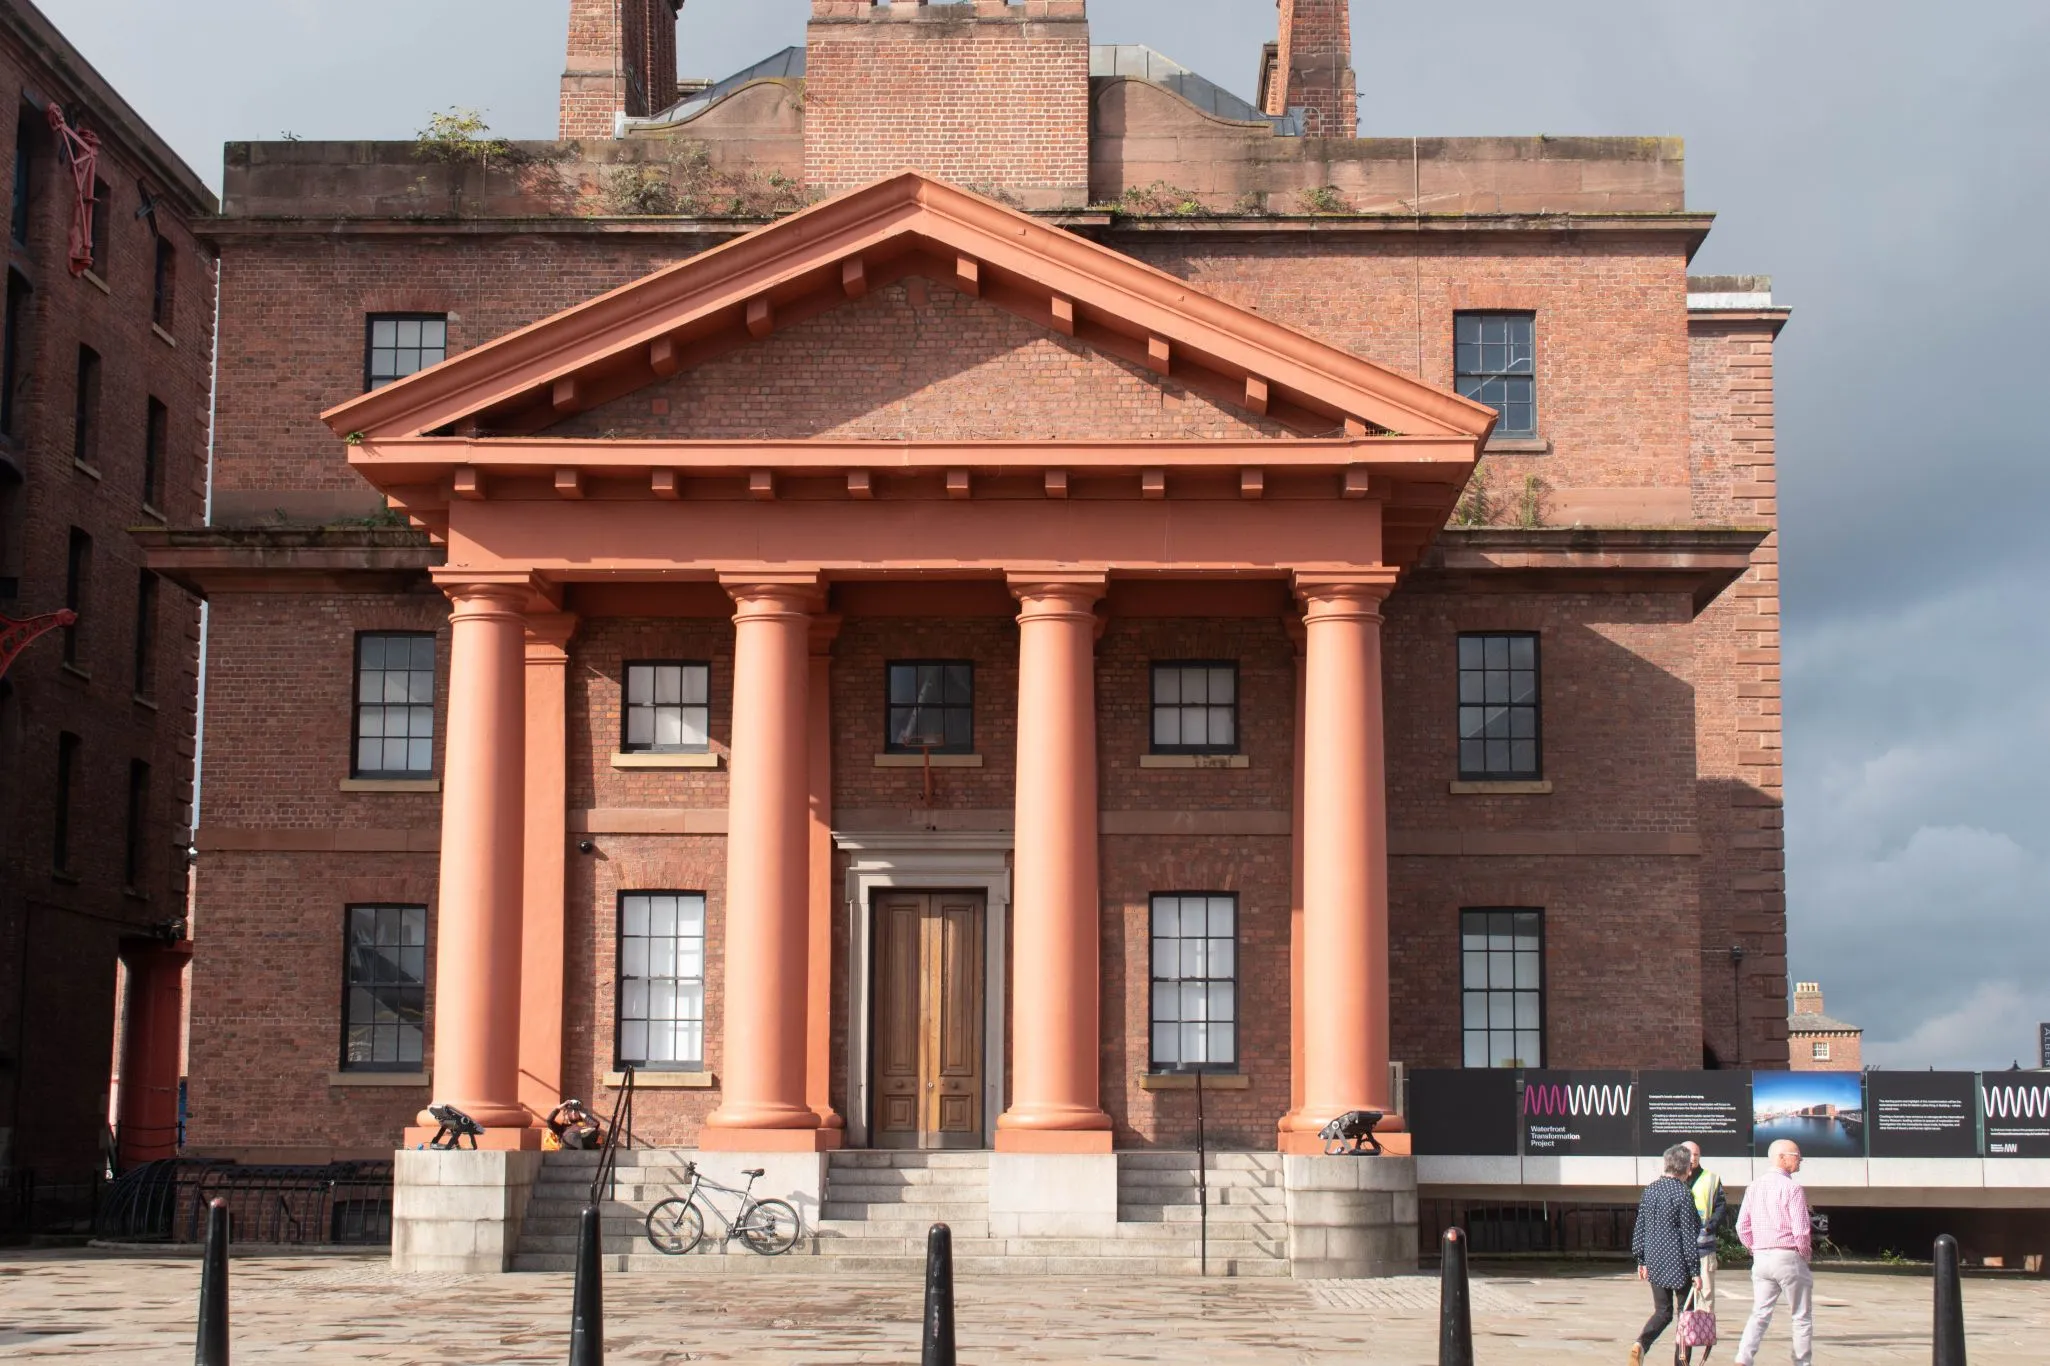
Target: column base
<point>459,1212</point>
<point>713,1140</point>
<point>1351,1217</point>
<point>1296,1143</point>
<point>1053,1141</point>
<point>506,1140</point>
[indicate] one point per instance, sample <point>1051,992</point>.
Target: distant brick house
<point>945,667</point>
<point>104,366</point>
<point>1817,1043</point>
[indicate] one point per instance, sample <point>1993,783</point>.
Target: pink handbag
<point>1695,1327</point>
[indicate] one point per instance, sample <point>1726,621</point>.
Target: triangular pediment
<point>1087,296</point>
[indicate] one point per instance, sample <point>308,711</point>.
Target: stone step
<point>1120,1247</point>
<point>861,1193</point>
<point>907,1178</point>
<point>927,1213</point>
<point>900,1228</point>
<point>636,1241</point>
<point>905,1160</point>
<point>910,1268</point>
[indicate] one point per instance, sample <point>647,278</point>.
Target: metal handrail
<point>620,1128</point>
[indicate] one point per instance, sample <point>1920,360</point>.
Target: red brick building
<point>1379,759</point>
<point>103,413</point>
<point>1818,1043</point>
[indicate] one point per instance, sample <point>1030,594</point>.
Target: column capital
<point>548,636</point>
<point>825,629</point>
<point>1054,593</point>
<point>1353,592</point>
<point>769,593</point>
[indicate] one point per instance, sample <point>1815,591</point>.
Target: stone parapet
<point>1351,1217</point>
<point>459,1212</point>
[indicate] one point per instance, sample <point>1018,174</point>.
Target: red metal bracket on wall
<point>82,150</point>
<point>16,635</point>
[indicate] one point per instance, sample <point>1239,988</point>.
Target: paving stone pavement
<point>138,1311</point>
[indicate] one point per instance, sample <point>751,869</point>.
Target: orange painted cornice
<point>839,249</point>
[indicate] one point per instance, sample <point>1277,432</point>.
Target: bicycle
<point>677,1225</point>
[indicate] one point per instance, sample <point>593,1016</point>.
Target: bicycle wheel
<point>771,1228</point>
<point>675,1226</point>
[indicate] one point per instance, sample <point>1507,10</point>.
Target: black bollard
<point>212,1346</point>
<point>1455,1307</point>
<point>938,1347</point>
<point>1950,1306</point>
<point>587,1312</point>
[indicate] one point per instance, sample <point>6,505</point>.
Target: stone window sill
<point>919,760</point>
<point>1186,1081</point>
<point>708,759</point>
<point>662,1081</point>
<point>1518,445</point>
<point>149,510</point>
<point>1527,789</point>
<point>67,879</point>
<point>163,336</point>
<point>90,471</point>
<point>71,670</point>
<point>391,784</point>
<point>388,1080</point>
<point>139,700</point>
<point>1194,761</point>
<point>92,278</point>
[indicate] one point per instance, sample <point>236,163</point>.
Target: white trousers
<point>1773,1274</point>
<point>1706,1299</point>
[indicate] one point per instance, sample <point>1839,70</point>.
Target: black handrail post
<point>1455,1307</point>
<point>1202,1181</point>
<point>604,1182</point>
<point>587,1300</point>
<point>937,1348</point>
<point>211,1347</point>
<point>1950,1306</point>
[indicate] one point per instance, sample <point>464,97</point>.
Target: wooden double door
<point>929,990</point>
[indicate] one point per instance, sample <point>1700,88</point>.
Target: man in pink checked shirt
<point>1774,1224</point>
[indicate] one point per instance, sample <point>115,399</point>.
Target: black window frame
<point>78,577</point>
<point>1154,706</point>
<point>21,220</point>
<point>357,706</point>
<point>19,294</point>
<point>620,978</point>
<point>163,297</point>
<point>69,748</point>
<point>1511,773</point>
<point>135,844</point>
<point>891,745</point>
<point>408,992</point>
<point>1154,983</point>
<point>156,438</point>
<point>85,412</point>
<point>1542,991</point>
<point>148,594</point>
<point>103,201</point>
<point>1471,375</point>
<point>371,380</point>
<point>627,706</point>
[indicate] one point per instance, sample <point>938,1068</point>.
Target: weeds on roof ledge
<point>1161,200</point>
<point>1322,199</point>
<point>461,137</point>
<point>688,185</point>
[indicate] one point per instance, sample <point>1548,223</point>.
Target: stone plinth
<point>459,1211</point>
<point>1351,1217</point>
<point>1053,1195</point>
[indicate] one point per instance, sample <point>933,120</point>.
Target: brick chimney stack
<point>1807,998</point>
<point>1313,68</point>
<point>622,60</point>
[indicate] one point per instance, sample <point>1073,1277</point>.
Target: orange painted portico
<point>1362,467</point>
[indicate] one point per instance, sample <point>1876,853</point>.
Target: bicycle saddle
<point>756,1171</point>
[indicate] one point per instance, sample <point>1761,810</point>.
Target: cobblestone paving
<point>138,1311</point>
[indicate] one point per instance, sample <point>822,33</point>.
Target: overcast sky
<point>1884,160</point>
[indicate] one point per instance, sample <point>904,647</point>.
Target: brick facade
<point>1653,847</point>
<point>127,690</point>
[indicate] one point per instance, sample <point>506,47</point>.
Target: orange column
<point>547,810</point>
<point>477,953</point>
<point>147,1126</point>
<point>1054,936</point>
<point>768,875</point>
<point>1344,1042</point>
<point>818,1064</point>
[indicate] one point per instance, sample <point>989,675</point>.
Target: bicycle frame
<point>748,1203</point>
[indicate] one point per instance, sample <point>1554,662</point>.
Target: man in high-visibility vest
<point>1713,1208</point>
